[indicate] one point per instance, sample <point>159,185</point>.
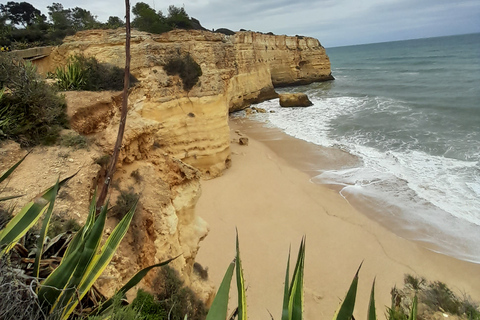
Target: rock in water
<point>294,100</point>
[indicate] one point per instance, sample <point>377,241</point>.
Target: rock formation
<point>173,137</point>
<point>192,126</point>
<point>294,100</point>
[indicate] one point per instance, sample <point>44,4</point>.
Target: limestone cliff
<point>192,126</point>
<point>172,138</point>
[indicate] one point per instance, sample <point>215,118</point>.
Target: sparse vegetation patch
<point>185,67</point>
<point>87,73</point>
<point>75,141</point>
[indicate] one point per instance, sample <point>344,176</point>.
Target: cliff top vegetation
<point>24,26</point>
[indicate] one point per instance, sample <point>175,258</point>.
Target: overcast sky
<point>333,22</point>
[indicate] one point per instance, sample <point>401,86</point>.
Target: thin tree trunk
<point>123,117</point>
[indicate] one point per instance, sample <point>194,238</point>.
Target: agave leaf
<point>27,217</point>
<point>371,315</point>
<point>43,232</point>
<point>55,283</point>
<point>80,235</point>
<point>9,171</point>
<point>92,242</point>
<point>218,310</point>
<point>101,260</point>
<point>413,312</point>
<point>130,284</point>
<point>286,295</point>
<point>296,287</point>
<point>20,224</point>
<point>242,301</point>
<point>346,309</point>
<point>11,197</point>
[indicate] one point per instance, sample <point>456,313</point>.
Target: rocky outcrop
<point>237,71</point>
<point>288,100</point>
<point>164,225</point>
<point>174,136</point>
<point>291,60</point>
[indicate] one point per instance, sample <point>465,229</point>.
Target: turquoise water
<point>410,110</point>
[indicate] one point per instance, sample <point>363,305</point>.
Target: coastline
<point>313,159</point>
<point>273,203</point>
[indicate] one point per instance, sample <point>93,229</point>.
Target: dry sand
<point>273,204</point>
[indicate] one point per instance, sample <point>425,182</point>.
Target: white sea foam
<point>433,191</point>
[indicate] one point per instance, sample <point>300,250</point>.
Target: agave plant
<point>84,260</point>
<point>293,293</point>
<point>71,77</point>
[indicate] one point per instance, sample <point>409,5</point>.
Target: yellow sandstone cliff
<point>192,126</point>
<point>173,137</point>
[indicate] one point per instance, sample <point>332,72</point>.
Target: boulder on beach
<point>294,100</point>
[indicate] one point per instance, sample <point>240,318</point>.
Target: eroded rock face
<point>164,225</point>
<point>192,125</point>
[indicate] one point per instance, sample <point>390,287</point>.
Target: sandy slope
<point>273,205</point>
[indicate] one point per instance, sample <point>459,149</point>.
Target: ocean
<point>410,111</point>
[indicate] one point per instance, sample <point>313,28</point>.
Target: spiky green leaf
<point>286,295</point>
<point>346,309</point>
<point>92,242</point>
<point>130,284</point>
<point>12,168</point>
<point>218,310</point>
<point>20,224</point>
<point>103,258</point>
<point>11,197</point>
<point>371,315</point>
<point>43,233</point>
<point>27,217</point>
<point>242,301</point>
<point>413,312</point>
<point>80,235</point>
<point>296,298</point>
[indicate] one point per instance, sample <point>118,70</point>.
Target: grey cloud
<point>335,23</point>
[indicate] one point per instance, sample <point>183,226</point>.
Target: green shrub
<point>120,312</point>
<point>136,175</point>
<point>175,298</point>
<point>86,73</point>
<point>75,141</point>
<point>124,202</point>
<point>439,295</point>
<point>31,112</point>
<point>185,67</point>
<point>415,282</point>
<point>148,307</point>
<point>58,225</point>
<point>103,161</point>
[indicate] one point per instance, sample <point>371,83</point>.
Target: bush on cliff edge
<point>31,112</point>
<point>87,73</point>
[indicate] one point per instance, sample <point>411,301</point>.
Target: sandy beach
<point>273,204</point>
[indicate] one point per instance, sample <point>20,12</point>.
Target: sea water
<point>410,110</point>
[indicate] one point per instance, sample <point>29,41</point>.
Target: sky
<point>333,22</point>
